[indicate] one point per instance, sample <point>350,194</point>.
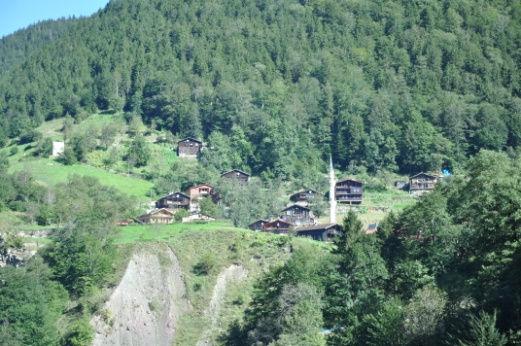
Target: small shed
<point>321,232</point>
<point>237,175</point>
<point>349,191</point>
<point>58,148</point>
<point>298,215</point>
<point>176,200</point>
<point>157,216</point>
<point>189,147</point>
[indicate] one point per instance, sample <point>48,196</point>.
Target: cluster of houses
<point>167,206</point>
<point>300,220</point>
<point>297,218</point>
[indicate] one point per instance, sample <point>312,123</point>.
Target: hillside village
<point>297,218</point>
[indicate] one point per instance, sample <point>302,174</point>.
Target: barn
<point>237,175</point>
<point>189,147</point>
<point>176,200</point>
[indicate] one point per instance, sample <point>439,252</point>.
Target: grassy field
<point>50,172</point>
<point>146,233</point>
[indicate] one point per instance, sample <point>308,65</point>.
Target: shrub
<point>30,136</point>
<point>180,214</point>
<point>204,266</point>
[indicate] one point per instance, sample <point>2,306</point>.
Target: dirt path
<point>232,273</point>
<point>145,307</point>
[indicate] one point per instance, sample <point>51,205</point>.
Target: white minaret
<point>332,200</point>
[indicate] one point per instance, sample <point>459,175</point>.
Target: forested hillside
<point>395,85</point>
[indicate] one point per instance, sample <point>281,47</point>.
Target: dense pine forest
<point>386,88</point>
<point>396,85</point>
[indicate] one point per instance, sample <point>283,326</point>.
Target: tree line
<point>394,85</point>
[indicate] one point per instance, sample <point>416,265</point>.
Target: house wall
<point>188,149</point>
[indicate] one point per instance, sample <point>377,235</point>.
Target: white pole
<point>332,199</point>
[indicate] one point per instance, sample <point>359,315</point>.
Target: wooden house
<point>422,183</point>
<point>323,232</point>
<point>199,191</point>
<point>277,226</point>
<point>348,191</point>
<point>157,216</point>
<point>189,147</point>
<point>303,197</point>
<point>258,225</point>
<point>298,215</point>
<point>176,200</point>
<point>237,175</point>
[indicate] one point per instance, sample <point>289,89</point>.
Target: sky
<point>17,14</point>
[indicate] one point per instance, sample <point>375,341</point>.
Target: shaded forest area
<point>385,85</point>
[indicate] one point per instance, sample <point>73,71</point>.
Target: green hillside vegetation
<point>275,88</point>
<point>391,85</point>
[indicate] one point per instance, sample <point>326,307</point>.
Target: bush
<point>204,266</point>
<point>44,147</point>
<point>29,137</point>
<point>180,214</point>
<point>79,333</point>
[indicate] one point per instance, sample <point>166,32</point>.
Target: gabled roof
<point>235,170</point>
<point>349,179</point>
<point>426,174</point>
<point>261,220</point>
<point>176,193</point>
<point>199,185</point>
<point>191,139</point>
<point>278,221</point>
<point>164,210</point>
<point>317,227</point>
<point>294,206</point>
<point>303,191</point>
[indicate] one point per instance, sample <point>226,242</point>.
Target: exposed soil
<point>232,273</point>
<point>145,308</point>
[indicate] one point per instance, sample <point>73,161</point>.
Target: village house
<point>236,174</point>
<point>258,225</point>
<point>189,147</point>
<point>298,215</point>
<point>348,191</point>
<point>157,216</point>
<point>199,191</point>
<point>277,226</point>
<point>323,232</point>
<point>303,197</point>
<point>422,183</point>
<point>177,200</point>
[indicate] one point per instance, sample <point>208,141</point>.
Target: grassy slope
<point>50,172</point>
<point>222,245</point>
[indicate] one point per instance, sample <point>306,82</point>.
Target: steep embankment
<point>145,307</point>
<point>233,273</point>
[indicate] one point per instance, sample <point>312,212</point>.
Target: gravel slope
<point>145,307</point>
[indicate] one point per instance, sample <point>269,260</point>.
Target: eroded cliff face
<point>146,306</point>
